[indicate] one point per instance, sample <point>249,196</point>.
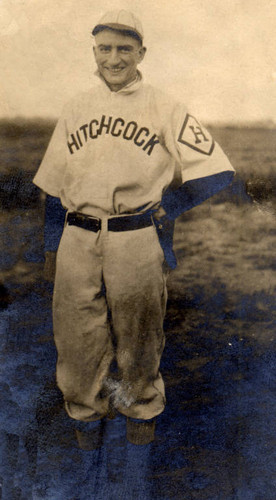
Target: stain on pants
<point>109,303</point>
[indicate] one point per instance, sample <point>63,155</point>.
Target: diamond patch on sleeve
<point>195,136</point>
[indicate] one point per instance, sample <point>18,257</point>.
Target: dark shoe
<point>140,431</point>
<point>89,435</point>
<point>112,413</point>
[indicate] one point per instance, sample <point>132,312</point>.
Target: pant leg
<point>81,330</point>
<point>136,293</point>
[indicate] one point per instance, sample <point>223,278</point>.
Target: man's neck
<point>116,88</point>
<point>129,85</point>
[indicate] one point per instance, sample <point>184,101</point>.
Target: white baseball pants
<point>109,304</point>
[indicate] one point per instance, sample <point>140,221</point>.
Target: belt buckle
<point>95,220</point>
<point>84,219</point>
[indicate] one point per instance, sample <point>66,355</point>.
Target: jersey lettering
<point>79,139</point>
<point>116,127</point>
<point>83,129</point>
<point>73,143</point>
<point>116,134</point>
<point>92,134</point>
<point>151,143</point>
<point>128,136</point>
<point>103,124</point>
<point>142,129</point>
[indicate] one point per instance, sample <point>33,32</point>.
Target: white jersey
<point>118,152</point>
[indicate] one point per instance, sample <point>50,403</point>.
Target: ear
<point>94,51</point>
<point>141,53</point>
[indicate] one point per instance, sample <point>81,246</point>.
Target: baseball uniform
<point>117,154</point>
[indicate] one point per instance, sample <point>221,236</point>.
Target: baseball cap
<point>121,20</point>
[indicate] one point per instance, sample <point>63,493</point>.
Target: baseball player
<point>125,160</point>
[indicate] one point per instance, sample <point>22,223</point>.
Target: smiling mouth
<point>115,71</point>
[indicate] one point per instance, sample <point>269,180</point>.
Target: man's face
<point>117,57</point>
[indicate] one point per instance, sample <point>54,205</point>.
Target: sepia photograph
<point>137,269</point>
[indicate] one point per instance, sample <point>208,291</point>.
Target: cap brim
<point>118,27</point>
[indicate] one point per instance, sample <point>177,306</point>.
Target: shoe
<point>112,413</point>
<point>140,431</point>
<point>89,435</point>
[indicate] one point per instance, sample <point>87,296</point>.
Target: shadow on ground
<point>216,438</point>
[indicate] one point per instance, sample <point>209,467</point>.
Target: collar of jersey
<point>129,88</point>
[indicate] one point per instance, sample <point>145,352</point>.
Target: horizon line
<point>248,123</point>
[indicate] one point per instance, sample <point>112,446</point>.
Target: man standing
<point>124,160</point>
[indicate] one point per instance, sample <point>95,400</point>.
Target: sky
<point>216,56</point>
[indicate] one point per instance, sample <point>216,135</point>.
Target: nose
<point>114,57</point>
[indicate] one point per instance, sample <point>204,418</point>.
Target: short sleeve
<point>49,176</point>
<point>203,169</point>
<point>193,147</point>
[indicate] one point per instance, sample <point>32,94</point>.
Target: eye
<point>125,50</point>
<point>104,50</point>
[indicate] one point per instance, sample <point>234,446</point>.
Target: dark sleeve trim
<point>53,223</point>
<point>194,192</point>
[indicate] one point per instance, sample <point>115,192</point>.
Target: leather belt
<point>122,223</point>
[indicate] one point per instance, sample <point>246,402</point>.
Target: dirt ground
<point>216,437</point>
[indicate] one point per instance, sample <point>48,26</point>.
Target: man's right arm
<point>53,227</point>
<point>49,178</point>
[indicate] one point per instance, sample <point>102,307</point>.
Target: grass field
<point>215,438</point>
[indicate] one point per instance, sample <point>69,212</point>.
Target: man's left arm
<point>204,167</point>
<point>204,171</point>
<point>192,193</point>
<point>174,203</point>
